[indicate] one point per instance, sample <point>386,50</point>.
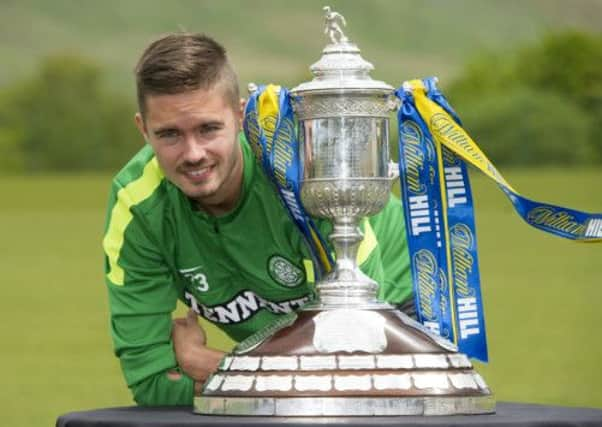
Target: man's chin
<point>199,196</point>
<point>195,192</point>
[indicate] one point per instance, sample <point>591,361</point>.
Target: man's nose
<point>195,150</point>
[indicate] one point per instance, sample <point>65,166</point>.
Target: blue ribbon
<point>419,176</point>
<point>277,149</point>
<point>441,232</point>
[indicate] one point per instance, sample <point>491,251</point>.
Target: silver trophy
<point>346,353</point>
<point>344,136</point>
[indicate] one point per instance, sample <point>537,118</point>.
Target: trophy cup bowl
<point>345,166</point>
<point>346,178</point>
<point>308,363</point>
<point>344,135</point>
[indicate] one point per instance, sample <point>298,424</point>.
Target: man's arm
<point>194,358</point>
<point>142,297</point>
<point>141,327</point>
<point>389,229</point>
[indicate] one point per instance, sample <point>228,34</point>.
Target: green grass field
<point>542,294</point>
<point>542,297</point>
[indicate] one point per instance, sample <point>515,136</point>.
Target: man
<point>193,217</point>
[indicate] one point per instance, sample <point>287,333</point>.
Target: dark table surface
<point>508,414</point>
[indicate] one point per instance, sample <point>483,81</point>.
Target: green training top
<point>240,271</point>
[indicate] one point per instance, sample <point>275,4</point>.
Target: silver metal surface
<point>364,380</point>
<point>225,363</point>
<point>430,380</point>
<point>394,361</point>
<point>237,383</point>
<point>345,406</point>
<point>392,382</point>
<point>274,383</point>
<point>431,361</point>
<point>344,123</point>
<point>352,382</point>
<point>255,340</point>
<point>357,362</point>
<point>345,198</point>
<point>342,106</point>
<point>245,363</point>
<point>459,360</point>
<point>318,363</point>
<point>480,381</point>
<point>332,28</point>
<point>313,382</point>
<point>461,381</point>
<point>283,363</point>
<point>342,67</point>
<point>448,345</point>
<point>332,331</point>
<point>214,382</point>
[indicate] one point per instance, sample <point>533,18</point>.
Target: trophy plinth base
<point>344,406</point>
<point>345,362</point>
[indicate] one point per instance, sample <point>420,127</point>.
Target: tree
<point>525,127</point>
<point>63,119</point>
<point>560,124</point>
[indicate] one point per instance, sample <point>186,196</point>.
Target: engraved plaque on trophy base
<point>346,362</point>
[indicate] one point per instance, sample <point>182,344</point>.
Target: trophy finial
<point>332,27</point>
<point>251,87</point>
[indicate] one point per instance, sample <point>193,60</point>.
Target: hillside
<point>277,40</point>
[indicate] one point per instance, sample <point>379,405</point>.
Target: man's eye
<point>210,128</point>
<point>168,134</point>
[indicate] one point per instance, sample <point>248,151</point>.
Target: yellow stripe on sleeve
<point>309,270</point>
<point>367,245</point>
<point>130,195</point>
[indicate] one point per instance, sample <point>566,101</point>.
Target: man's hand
<point>193,356</point>
<point>187,331</point>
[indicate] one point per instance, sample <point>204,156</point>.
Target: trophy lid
<point>341,66</point>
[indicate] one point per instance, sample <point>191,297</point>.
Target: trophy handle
<point>393,171</point>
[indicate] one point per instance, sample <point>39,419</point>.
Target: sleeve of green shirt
<point>142,297</point>
<point>388,260</point>
<point>390,232</point>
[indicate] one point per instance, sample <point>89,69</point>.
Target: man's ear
<point>141,125</point>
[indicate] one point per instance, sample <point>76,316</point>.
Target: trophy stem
<point>346,285</point>
<point>346,238</point>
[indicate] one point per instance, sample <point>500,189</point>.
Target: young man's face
<point>195,138</point>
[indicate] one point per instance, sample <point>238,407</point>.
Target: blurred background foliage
<point>538,105</point>
<point>526,80</point>
<point>63,118</point>
<point>524,76</point>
